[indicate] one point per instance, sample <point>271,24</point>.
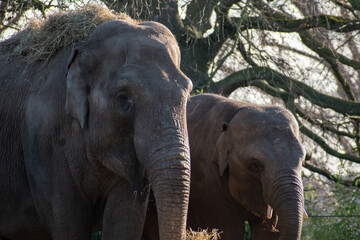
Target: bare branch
<point>331,56</point>
<point>163,11</point>
<point>325,126</point>
<point>246,56</point>
<point>198,15</point>
<point>330,176</point>
<point>321,142</point>
<point>332,23</point>
<point>288,48</point>
<point>243,77</point>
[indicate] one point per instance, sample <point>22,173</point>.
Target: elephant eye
<point>123,102</point>
<point>255,166</point>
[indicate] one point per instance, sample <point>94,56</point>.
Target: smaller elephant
<point>246,163</point>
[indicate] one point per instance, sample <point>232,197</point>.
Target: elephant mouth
<point>271,219</point>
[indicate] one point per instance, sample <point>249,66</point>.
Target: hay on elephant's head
<point>202,235</point>
<point>41,39</point>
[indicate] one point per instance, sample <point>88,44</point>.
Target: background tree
<point>12,12</point>
<point>304,55</point>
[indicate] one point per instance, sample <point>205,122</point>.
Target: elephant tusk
<point>276,220</point>
<point>305,215</point>
<point>269,212</point>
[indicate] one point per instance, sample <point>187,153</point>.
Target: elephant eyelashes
<point>123,102</point>
<point>255,166</point>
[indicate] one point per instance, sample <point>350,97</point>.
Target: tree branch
<point>341,4</point>
<point>326,147</point>
<point>246,56</point>
<point>310,134</point>
<point>288,48</point>
<point>310,41</point>
<point>243,77</point>
<point>163,11</point>
<point>268,11</point>
<point>3,7</point>
<point>198,15</point>
<point>330,176</point>
<point>355,4</point>
<point>331,57</point>
<point>18,12</point>
<point>332,23</point>
<point>223,29</point>
<point>307,38</point>
<point>324,126</point>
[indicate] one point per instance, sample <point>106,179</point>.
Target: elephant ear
<point>221,151</point>
<point>76,93</point>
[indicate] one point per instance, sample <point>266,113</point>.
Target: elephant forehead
<point>283,144</point>
<point>148,42</point>
<point>263,120</point>
<point>140,59</point>
<point>118,48</point>
<point>265,132</point>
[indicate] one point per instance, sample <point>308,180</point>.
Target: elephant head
<point>128,97</point>
<point>260,152</point>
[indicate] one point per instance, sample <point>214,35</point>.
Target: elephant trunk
<point>162,146</point>
<point>288,201</point>
<point>169,175</point>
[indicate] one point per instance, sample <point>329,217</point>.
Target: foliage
<point>96,235</point>
<point>341,220</point>
<point>247,231</point>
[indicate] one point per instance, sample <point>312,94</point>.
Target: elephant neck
<point>206,214</point>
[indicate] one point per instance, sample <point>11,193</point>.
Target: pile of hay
<point>202,235</point>
<point>41,39</point>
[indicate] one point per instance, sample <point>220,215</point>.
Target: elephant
<point>246,163</point>
<point>85,133</point>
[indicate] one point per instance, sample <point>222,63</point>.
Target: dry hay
<point>41,39</point>
<point>202,235</point>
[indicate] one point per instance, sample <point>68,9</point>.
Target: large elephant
<point>84,134</point>
<point>246,163</point>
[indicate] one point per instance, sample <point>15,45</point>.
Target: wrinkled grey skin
<point>243,158</point>
<point>84,134</point>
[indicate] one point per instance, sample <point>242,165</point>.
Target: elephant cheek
<point>248,192</point>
